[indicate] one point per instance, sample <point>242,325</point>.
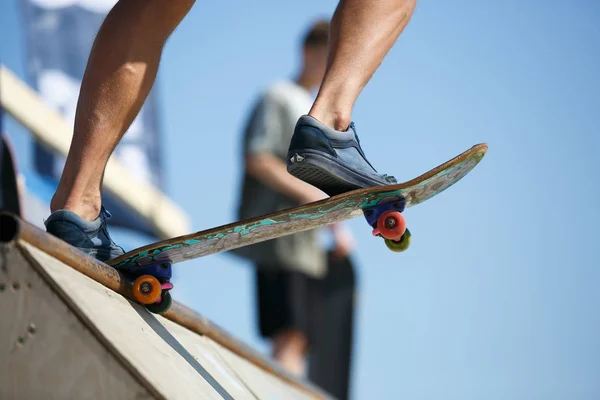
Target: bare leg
<point>362,32</point>
<point>289,349</point>
<point>120,73</point>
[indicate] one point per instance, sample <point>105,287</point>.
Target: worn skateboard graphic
<point>149,266</point>
<point>10,196</point>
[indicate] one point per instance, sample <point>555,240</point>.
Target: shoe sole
<point>327,174</point>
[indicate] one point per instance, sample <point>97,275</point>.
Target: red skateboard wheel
<point>391,224</point>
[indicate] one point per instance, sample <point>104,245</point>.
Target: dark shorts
<point>285,301</point>
<point>323,309</point>
<point>292,300</point>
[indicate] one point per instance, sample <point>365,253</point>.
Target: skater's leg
<point>121,70</point>
<point>362,33</point>
<point>120,73</point>
<point>325,150</point>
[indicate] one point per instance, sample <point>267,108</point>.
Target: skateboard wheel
<point>391,224</point>
<point>146,289</point>
<point>162,305</point>
<point>398,246</point>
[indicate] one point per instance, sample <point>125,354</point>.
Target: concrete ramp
<point>64,335</point>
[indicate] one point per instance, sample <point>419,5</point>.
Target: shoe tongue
<point>352,128</point>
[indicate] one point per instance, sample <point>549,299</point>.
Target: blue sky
<point>498,296</point>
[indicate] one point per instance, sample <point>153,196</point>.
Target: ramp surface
<point>65,335</point>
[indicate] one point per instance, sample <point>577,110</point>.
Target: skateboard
<point>10,197</point>
<point>150,267</point>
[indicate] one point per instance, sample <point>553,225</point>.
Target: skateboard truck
<point>152,284</point>
<point>387,221</point>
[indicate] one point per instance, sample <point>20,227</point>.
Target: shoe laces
<point>389,178</point>
<point>105,213</point>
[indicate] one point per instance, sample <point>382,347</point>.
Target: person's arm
<point>262,163</point>
<point>272,172</point>
<point>262,148</point>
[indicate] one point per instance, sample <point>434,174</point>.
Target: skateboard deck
<point>10,198</point>
<point>150,266</point>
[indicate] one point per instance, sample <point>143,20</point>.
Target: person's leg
<point>121,70</point>
<point>362,33</point>
<point>289,350</point>
<point>332,350</point>
<point>282,315</point>
<point>120,73</point>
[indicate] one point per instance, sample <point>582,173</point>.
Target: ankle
<point>334,119</point>
<point>87,207</point>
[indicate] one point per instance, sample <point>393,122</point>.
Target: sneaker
<point>331,160</point>
<point>90,237</point>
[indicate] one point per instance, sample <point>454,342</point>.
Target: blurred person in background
<point>324,151</point>
<point>304,291</point>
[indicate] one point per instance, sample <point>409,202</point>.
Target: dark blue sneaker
<point>331,160</point>
<point>90,237</point>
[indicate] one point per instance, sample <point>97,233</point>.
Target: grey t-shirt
<point>269,130</point>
